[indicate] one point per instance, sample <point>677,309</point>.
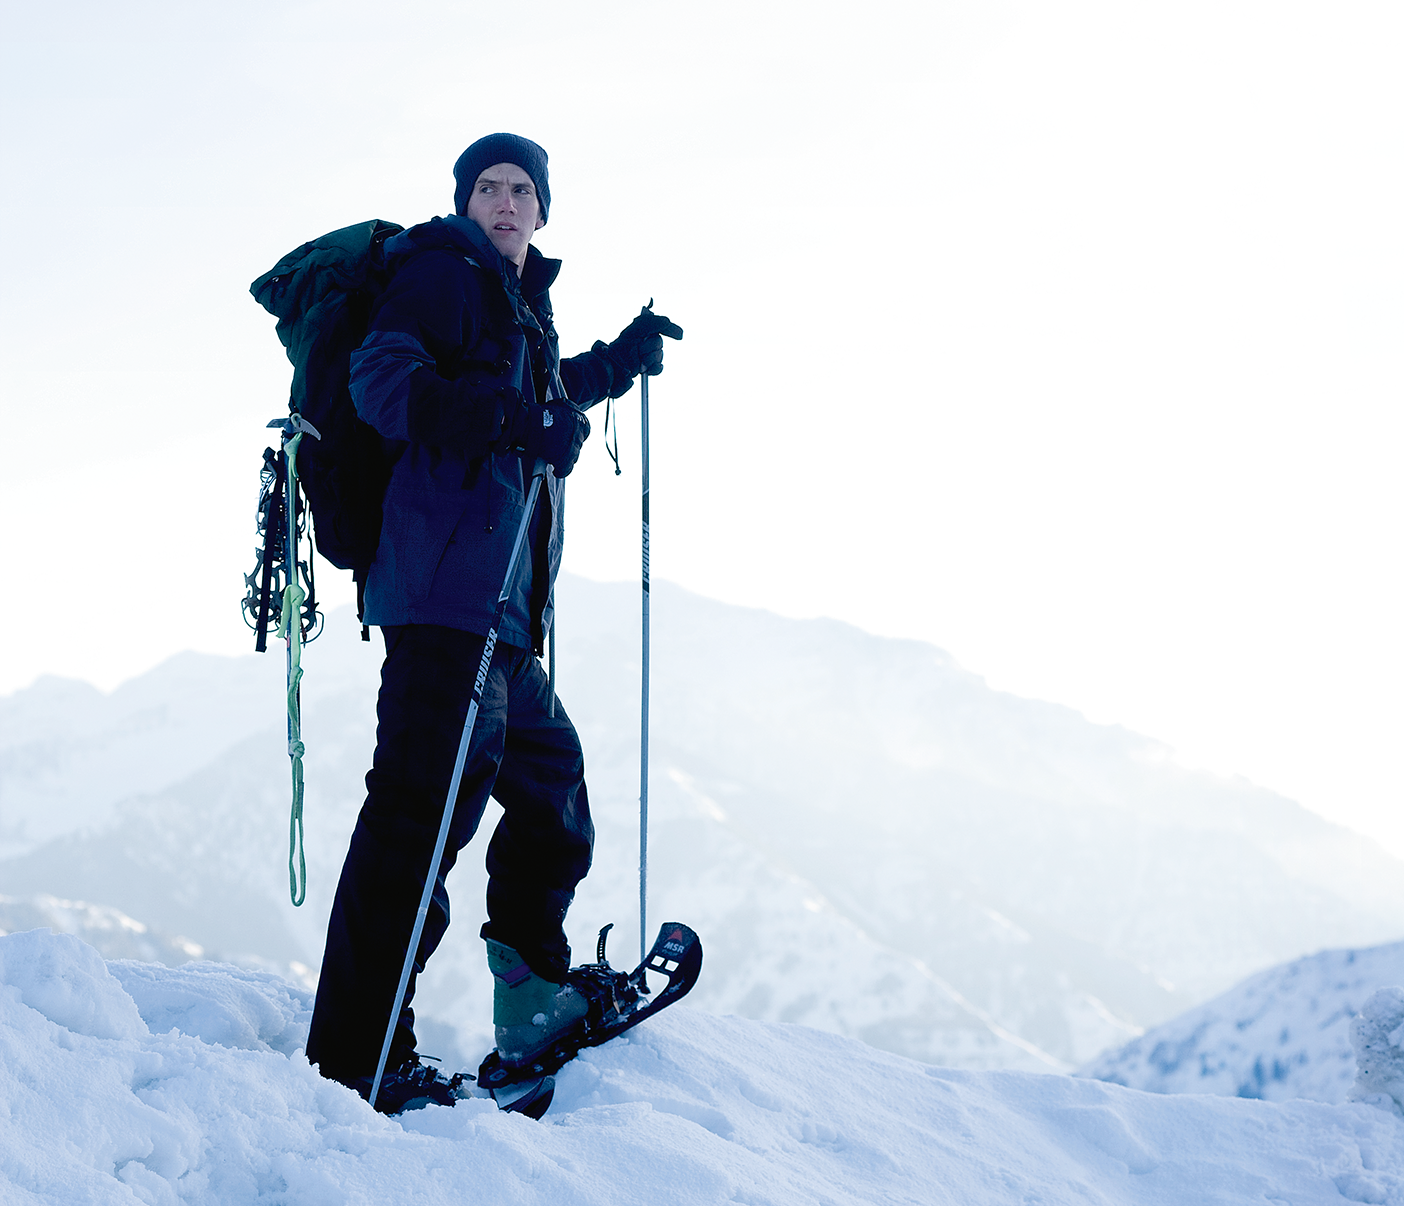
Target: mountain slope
<point>867,837</point>
<point>1282,1034</point>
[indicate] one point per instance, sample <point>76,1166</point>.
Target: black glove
<point>639,349</point>
<point>553,432</point>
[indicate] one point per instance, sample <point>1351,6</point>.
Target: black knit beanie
<point>501,148</point>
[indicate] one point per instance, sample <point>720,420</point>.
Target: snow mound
<point>209,1101</point>
<point>1377,1035</point>
<point>65,982</point>
<point>217,1003</point>
<point>1282,1034</point>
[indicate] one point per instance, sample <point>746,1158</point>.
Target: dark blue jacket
<point>454,328</point>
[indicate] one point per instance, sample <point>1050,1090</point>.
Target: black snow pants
<point>529,761</point>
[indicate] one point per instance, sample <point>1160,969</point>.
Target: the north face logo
<point>546,419</point>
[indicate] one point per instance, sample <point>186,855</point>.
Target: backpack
<point>321,295</point>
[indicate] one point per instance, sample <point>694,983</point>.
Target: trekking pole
<point>538,473</point>
<point>551,662</point>
<point>643,700</point>
<point>555,391</point>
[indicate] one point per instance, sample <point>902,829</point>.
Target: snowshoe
<point>617,1001</point>
<point>412,1086</point>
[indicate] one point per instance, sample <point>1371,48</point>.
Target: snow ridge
<point>139,1083</point>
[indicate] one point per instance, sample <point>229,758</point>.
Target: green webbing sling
<point>290,626</point>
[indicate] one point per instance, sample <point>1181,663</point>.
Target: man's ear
<point>540,222</point>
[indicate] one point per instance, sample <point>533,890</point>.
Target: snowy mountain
<point>1281,1034</point>
<point>109,930</point>
<point>868,838</point>
<point>133,1082</point>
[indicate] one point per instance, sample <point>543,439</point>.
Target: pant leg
<point>426,685</point>
<point>543,844</point>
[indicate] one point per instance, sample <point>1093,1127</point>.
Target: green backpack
<point>321,295</point>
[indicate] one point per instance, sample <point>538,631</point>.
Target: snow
<point>1283,1033</point>
<point>125,1082</point>
<point>1377,1035</point>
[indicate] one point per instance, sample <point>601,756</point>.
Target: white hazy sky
<point>1063,335</point>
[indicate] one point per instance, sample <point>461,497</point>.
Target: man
<point>461,374</point>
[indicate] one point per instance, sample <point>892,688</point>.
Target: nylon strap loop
<point>290,627</point>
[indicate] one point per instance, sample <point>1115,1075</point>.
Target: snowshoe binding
<point>412,1086</point>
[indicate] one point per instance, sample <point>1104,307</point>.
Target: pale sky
<point>1061,335</point>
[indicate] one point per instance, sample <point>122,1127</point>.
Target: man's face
<point>504,206</point>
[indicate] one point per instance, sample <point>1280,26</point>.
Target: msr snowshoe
<point>615,1001</point>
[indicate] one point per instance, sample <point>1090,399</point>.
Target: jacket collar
<point>538,273</point>
<point>530,290</point>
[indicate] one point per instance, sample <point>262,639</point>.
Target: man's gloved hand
<point>553,431</point>
<point>639,349</point>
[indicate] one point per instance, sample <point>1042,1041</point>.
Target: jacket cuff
<point>587,379</point>
<point>620,378</point>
